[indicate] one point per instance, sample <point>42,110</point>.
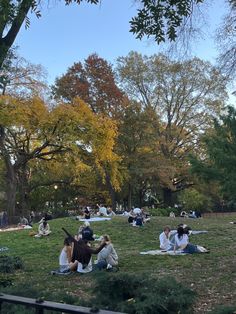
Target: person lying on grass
<point>182,243</point>
<point>107,257</point>
<point>82,251</point>
<point>65,257</point>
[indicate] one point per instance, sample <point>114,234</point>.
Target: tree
<point>218,163</point>
<point>94,82</point>
<point>162,19</point>
<point>33,132</point>
<point>184,96</point>
<point>21,78</point>
<point>227,43</point>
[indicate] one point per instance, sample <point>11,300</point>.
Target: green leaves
<point>161,19</point>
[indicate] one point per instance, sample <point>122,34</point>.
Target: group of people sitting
<point>137,217</point>
<point>77,252</point>
<point>178,241</point>
<point>191,214</point>
<point>101,210</point>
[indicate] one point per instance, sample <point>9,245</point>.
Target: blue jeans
<point>100,265</point>
<point>190,249</point>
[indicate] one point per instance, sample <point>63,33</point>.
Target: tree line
<point>136,133</point>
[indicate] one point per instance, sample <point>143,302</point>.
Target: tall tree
<point>185,97</point>
<point>94,82</point>
<point>218,163</point>
<point>33,132</point>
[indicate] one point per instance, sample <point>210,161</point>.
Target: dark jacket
<point>82,252</point>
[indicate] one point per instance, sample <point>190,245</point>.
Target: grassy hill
<point>212,276</point>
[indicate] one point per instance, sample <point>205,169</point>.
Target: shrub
<point>5,281</point>
<point>8,264</point>
<point>165,212</point>
<point>191,199</point>
<point>140,294</point>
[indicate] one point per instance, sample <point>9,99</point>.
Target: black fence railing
<point>40,306</point>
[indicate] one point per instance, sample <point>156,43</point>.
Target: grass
<point>212,276</point>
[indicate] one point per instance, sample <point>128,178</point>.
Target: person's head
<point>180,231</point>
<point>67,241</point>
<point>166,230</point>
<point>86,224</point>
<point>87,234</point>
<point>106,238</point>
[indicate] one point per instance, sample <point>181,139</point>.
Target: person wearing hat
<point>88,232</point>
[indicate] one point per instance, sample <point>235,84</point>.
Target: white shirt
<point>103,211</point>
<point>182,241</point>
<point>164,241</point>
<point>63,259</point>
<point>137,211</point>
<point>87,269</point>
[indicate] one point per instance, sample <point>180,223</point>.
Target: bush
<point>138,294</point>
<point>8,264</point>
<point>191,199</point>
<point>165,212</point>
<point>5,281</point>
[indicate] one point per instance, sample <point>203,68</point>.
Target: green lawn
<point>212,276</point>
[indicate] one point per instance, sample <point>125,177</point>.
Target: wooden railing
<point>41,305</point>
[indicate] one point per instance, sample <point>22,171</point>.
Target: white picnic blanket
<point>16,228</point>
<point>161,252</point>
<point>95,219</point>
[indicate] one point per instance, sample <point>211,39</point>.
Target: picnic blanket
<point>15,228</point>
<point>191,231</point>
<point>95,219</point>
<point>161,252</point>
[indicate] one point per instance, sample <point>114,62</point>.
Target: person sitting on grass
<point>82,251</point>
<point>165,243</point>
<point>43,230</point>
<point>87,213</point>
<point>107,257</point>
<point>182,243</point>
<point>138,221</point>
<point>85,228</point>
<point>65,257</point>
<point>131,216</point>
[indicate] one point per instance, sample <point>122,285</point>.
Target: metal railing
<point>41,305</point>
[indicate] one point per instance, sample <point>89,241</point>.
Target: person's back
<point>139,221</point>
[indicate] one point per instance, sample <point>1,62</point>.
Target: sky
<point>68,34</point>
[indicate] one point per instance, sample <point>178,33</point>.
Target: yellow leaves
<point>28,114</point>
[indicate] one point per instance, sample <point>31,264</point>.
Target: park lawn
<point>212,276</point>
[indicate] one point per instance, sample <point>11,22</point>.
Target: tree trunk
<point>11,183</point>
<point>111,192</point>
<point>24,190</point>
<point>130,197</point>
<point>7,41</point>
<point>167,197</point>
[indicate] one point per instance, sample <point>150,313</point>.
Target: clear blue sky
<point>66,34</point>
